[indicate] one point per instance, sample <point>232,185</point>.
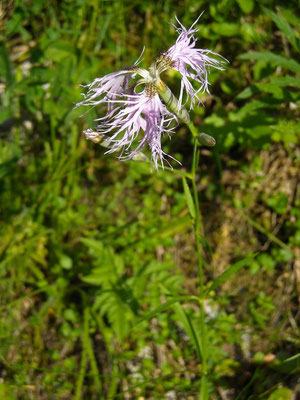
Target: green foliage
<point>99,286</point>
<point>189,198</point>
<point>261,309</point>
<point>281,394</point>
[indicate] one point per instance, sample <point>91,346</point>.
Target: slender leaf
<point>203,395</point>
<point>284,81</point>
<point>230,272</point>
<point>189,198</point>
<point>289,365</point>
<point>247,92</point>
<point>190,329</point>
<point>284,27</point>
<point>280,81</point>
<point>5,65</point>
<point>274,59</point>
<point>166,305</point>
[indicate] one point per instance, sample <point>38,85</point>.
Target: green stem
<point>93,361</point>
<point>197,227</point>
<point>115,375</point>
<point>84,354</point>
<point>192,129</point>
<point>197,216</point>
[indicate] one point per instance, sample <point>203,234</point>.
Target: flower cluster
<point>137,100</point>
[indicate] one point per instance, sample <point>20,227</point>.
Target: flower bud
<point>206,140</point>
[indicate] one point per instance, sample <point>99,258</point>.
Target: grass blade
<point>167,305</point>
<point>230,272</point>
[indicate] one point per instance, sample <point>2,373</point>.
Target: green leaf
<point>246,5</point>
<point>6,392</point>
<point>94,244</point>
<point>204,388</point>
<point>97,278</point>
<point>190,329</point>
<point>247,109</point>
<point>166,305</point>
<point>226,29</point>
<point>289,365</point>
<point>278,202</point>
<point>266,261</point>
<point>7,167</point>
<point>284,27</point>
<point>117,311</point>
<point>205,243</point>
<point>286,81</point>
<point>234,269</point>
<point>276,82</point>
<point>286,131</point>
<point>174,226</point>
<point>247,92</point>
<point>281,394</point>
<point>188,197</point>
<point>65,261</point>
<point>271,88</point>
<point>59,50</point>
<point>5,66</point>
<point>273,59</point>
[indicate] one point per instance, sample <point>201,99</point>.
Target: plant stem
<point>197,227</point>
<point>93,362</point>
<point>192,129</point>
<point>84,354</point>
<point>197,216</point>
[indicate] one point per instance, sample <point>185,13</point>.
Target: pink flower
<point>190,62</point>
<point>129,114</point>
<point>136,117</point>
<point>109,85</point>
<point>135,114</point>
